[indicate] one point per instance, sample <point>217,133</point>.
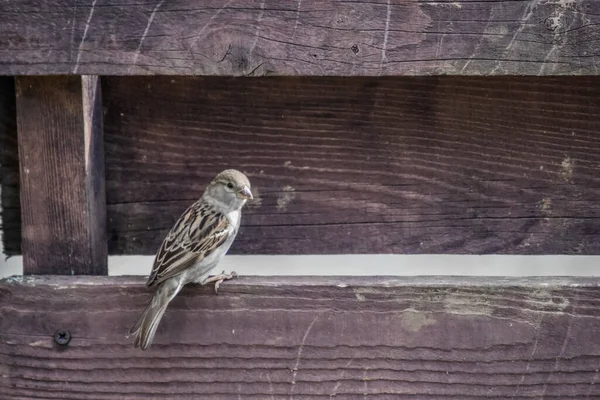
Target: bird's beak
<point>245,193</point>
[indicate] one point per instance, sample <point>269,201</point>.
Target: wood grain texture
<point>368,38</point>
<point>63,200</point>
<point>412,165</point>
<point>93,135</point>
<point>395,165</point>
<point>305,338</point>
<point>9,169</point>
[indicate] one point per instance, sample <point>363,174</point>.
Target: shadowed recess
<point>9,169</point>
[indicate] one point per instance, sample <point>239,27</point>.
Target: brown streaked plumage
<point>193,247</point>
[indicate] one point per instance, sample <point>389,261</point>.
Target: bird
<point>194,247</point>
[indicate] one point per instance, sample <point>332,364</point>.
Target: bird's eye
<point>230,185</point>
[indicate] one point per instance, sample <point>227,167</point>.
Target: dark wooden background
<point>284,37</point>
<point>362,165</point>
<point>305,338</point>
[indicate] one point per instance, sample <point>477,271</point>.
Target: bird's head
<point>230,187</point>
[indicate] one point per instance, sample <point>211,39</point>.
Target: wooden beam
<point>370,38</point>
<point>61,155</point>
<point>305,338</point>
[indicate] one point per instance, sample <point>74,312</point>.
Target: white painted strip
<point>370,264</point>
<point>12,266</point>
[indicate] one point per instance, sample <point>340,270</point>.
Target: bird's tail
<point>145,327</point>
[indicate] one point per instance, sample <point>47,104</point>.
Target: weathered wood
<point>9,169</point>
<point>396,165</point>
<point>220,37</point>
<point>62,175</point>
<point>415,165</point>
<point>305,338</point>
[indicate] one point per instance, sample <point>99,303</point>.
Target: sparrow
<point>194,247</point>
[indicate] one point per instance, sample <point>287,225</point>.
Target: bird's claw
<point>218,279</point>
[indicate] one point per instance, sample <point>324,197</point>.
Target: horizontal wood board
<point>367,38</point>
<point>305,338</point>
<point>394,165</point>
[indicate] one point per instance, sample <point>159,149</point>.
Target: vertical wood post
<point>59,121</point>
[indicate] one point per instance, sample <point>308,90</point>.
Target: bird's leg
<point>217,279</point>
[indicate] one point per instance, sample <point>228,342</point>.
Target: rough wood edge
<point>93,131</point>
<point>68,282</point>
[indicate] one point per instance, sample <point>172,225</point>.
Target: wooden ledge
<point>305,337</point>
<point>136,282</point>
<point>370,38</point>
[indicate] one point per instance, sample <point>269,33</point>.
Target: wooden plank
<point>395,165</point>
<point>62,175</point>
<point>416,165</point>
<point>9,169</point>
<point>305,338</point>
<point>370,38</point>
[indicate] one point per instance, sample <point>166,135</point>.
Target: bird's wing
<point>197,233</point>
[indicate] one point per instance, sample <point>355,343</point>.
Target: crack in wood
<point>385,36</point>
<point>83,37</point>
<point>299,355</point>
<point>146,30</point>
<point>568,336</point>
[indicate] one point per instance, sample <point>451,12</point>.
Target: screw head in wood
<point>62,337</point>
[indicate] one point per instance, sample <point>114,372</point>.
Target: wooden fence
<point>365,127</point>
